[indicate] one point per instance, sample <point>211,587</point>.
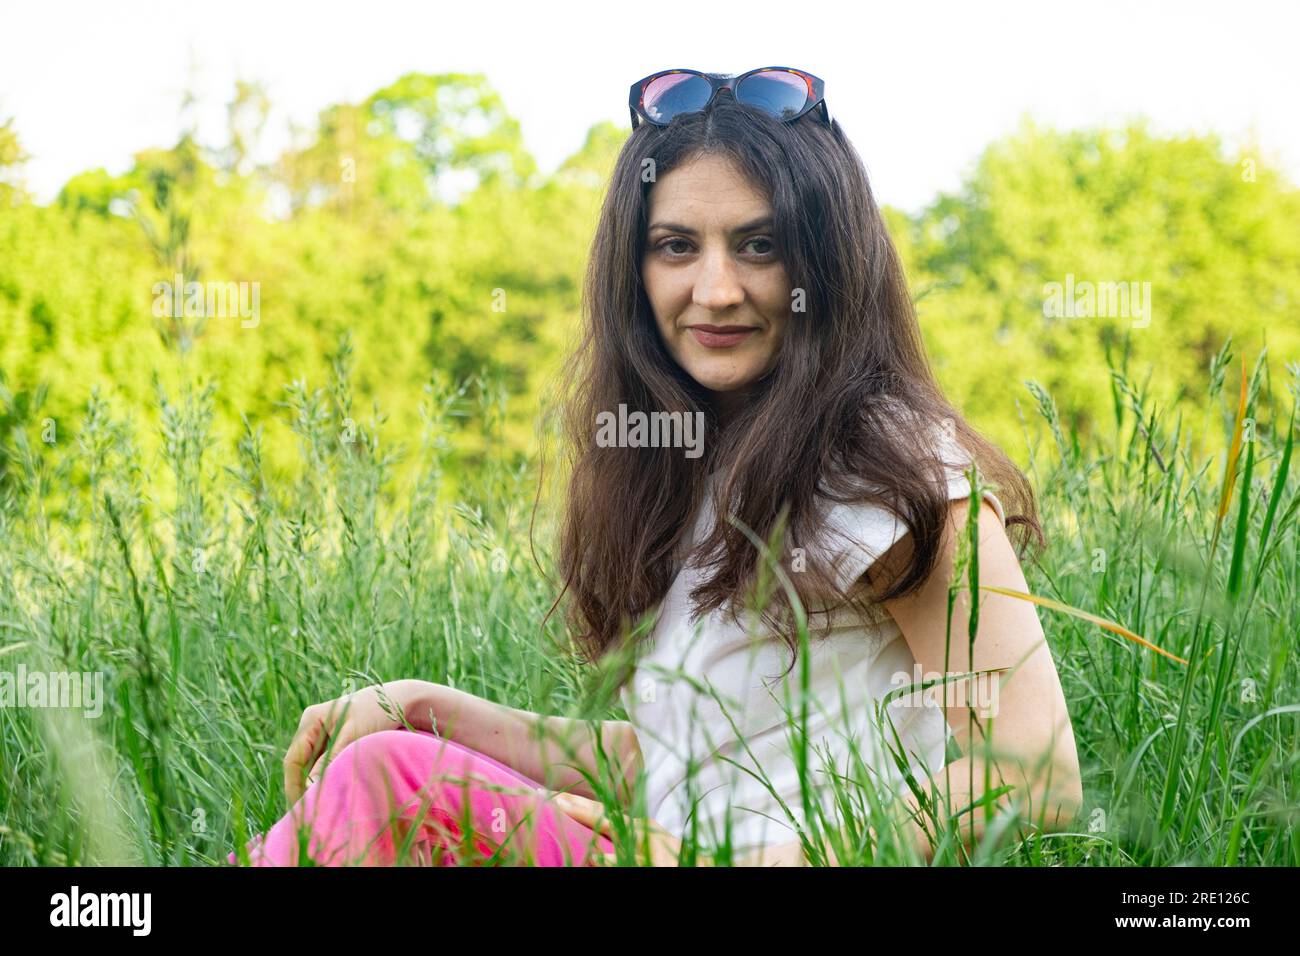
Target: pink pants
<point>397,796</point>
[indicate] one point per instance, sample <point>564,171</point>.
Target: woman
<point>750,329</point>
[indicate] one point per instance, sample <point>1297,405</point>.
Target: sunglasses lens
<point>667,96</point>
<point>780,93</point>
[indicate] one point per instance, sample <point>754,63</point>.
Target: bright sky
<point>920,88</point>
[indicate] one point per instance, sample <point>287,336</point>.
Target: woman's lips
<point>713,337</point>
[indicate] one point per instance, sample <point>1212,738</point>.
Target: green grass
<point>219,602</point>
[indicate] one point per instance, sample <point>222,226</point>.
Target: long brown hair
<point>825,417</point>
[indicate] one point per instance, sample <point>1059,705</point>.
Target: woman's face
<point>714,277</point>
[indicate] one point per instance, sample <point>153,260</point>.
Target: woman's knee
<point>362,758</point>
<point>413,758</point>
<point>401,762</point>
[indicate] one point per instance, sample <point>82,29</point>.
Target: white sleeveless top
<point>692,681</point>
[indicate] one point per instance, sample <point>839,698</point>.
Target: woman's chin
<point>728,379</point>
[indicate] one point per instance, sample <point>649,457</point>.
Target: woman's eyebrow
<point>687,230</point>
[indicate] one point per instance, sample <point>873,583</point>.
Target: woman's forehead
<point>706,202</point>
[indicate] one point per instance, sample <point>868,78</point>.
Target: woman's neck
<point>728,405</point>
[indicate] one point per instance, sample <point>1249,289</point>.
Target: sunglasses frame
<point>727,81</point>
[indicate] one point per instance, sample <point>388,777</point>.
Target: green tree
<point>1212,234</point>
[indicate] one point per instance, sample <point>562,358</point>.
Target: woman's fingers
<point>314,774</point>
<point>665,848</point>
<point>333,750</point>
<point>322,728</point>
<point>303,751</point>
<point>590,813</point>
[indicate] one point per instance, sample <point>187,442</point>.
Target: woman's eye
<point>759,245</point>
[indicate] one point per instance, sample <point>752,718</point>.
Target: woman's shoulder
<point>856,533</point>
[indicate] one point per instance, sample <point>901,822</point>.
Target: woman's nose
<point>718,286</point>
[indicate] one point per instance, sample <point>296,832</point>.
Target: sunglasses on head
<point>784,93</point>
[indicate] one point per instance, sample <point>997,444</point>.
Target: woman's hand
<point>782,854</point>
<point>334,724</point>
<point>665,849</point>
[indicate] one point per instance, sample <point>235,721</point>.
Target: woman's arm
<point>1013,727</point>
<point>1020,724</point>
<point>548,749</point>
